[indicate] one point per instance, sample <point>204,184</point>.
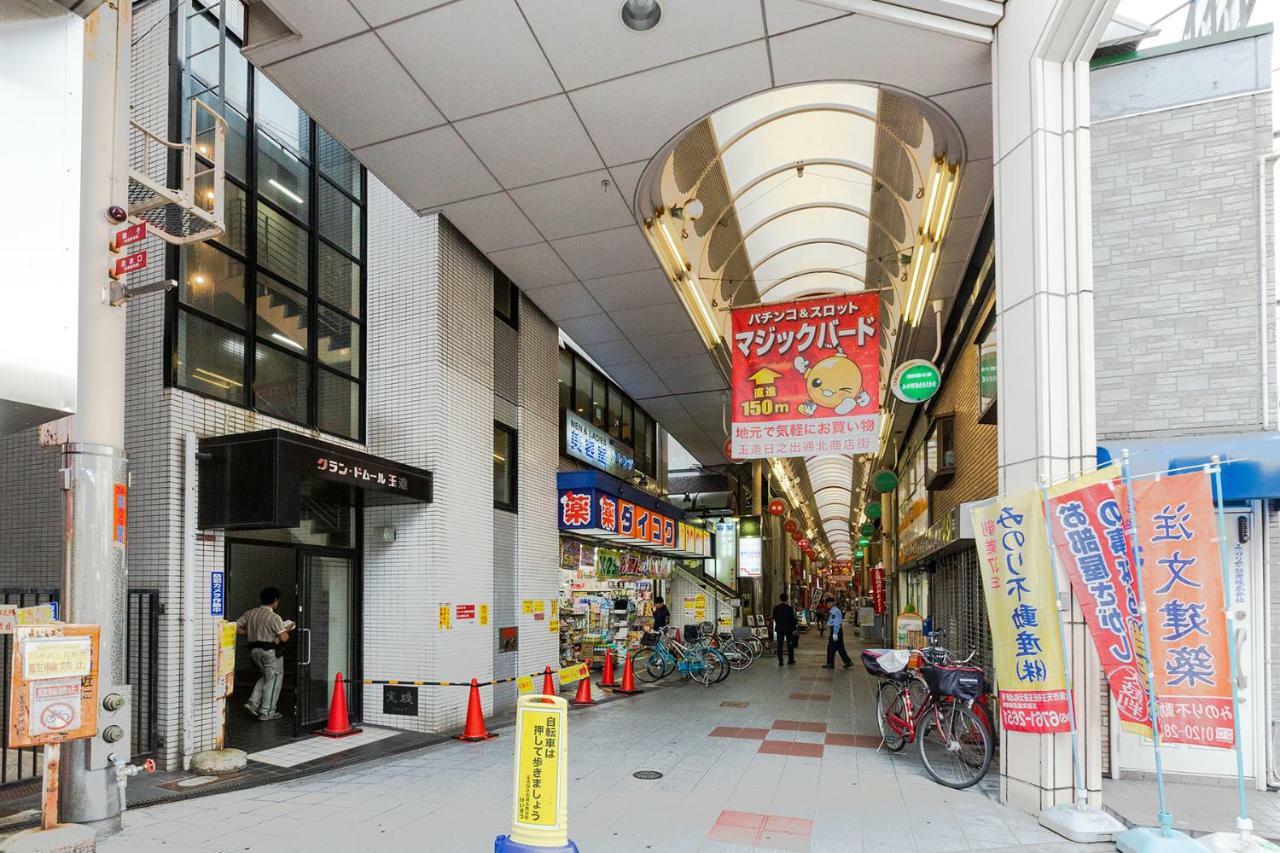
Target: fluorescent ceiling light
<point>287,341</point>
<point>297,199</point>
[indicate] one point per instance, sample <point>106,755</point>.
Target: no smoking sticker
<point>55,706</point>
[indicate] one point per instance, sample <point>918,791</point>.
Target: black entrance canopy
<point>257,480</point>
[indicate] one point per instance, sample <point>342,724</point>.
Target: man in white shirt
<point>266,631</point>
<point>835,641</point>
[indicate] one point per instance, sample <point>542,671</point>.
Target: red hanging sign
<point>877,589</point>
<point>806,377</point>
<point>129,263</point>
<point>128,236</point>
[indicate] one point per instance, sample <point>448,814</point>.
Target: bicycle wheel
<point>757,647</point>
<point>713,667</point>
<point>954,745</point>
<point>737,654</point>
<point>725,669</point>
<point>891,704</point>
<point>647,665</point>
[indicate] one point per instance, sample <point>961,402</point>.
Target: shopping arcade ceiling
<point>529,124</point>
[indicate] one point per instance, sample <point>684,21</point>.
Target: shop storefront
<point>619,550</point>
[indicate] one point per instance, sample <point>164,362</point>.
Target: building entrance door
<point>1136,753</point>
<point>326,633</point>
<point>319,591</point>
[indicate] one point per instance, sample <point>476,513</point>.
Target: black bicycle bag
<point>962,682</point>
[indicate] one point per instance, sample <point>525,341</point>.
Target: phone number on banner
<point>1041,712</point>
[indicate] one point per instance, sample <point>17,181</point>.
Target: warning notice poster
<point>806,377</point>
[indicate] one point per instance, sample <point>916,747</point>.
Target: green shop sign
<point>915,381</point>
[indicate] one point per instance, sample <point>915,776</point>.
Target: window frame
<point>646,457</point>
<point>310,289</point>
<point>938,475</point>
<point>988,413</point>
<point>511,314</point>
<point>512,470</point>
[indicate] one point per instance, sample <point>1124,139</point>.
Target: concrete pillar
<point>1044,303</point>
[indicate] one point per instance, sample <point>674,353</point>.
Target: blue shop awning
<point>1251,461</point>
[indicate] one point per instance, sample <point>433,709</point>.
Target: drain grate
<point>733,704</point>
<point>647,774</point>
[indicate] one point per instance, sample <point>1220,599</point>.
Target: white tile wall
<point>431,402</point>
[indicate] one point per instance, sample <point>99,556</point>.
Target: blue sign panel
<point>216,603</point>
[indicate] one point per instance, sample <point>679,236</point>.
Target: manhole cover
<point>733,704</point>
<point>647,774</point>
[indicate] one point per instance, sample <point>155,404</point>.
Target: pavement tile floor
<point>778,774</point>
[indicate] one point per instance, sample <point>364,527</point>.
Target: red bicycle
<point>955,743</point>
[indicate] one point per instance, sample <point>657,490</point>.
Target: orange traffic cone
<point>606,679</point>
<point>583,696</point>
<point>474,730</point>
<point>628,686</point>
<point>339,725</point>
<point>548,683</point>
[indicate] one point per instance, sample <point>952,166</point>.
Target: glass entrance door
<point>326,634</point>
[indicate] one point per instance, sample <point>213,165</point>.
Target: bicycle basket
<point>690,633</point>
<point>962,682</point>
<point>648,640</point>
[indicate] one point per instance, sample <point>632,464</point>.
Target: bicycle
<point>955,745</point>
<point>736,652</point>
<point>661,654</point>
<point>933,652</point>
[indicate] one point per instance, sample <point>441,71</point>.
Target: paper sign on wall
<point>446,620</point>
<point>526,606</point>
<point>524,684</point>
<point>484,614</point>
<point>466,612</point>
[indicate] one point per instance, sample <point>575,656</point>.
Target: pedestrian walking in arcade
<point>661,614</point>
<point>835,641</point>
<point>784,628</point>
<point>820,616</point>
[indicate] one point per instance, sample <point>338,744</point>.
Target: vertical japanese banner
<point>877,589</point>
<point>806,377</point>
<point>1182,587</point>
<point>1014,555</point>
<point>1087,528</point>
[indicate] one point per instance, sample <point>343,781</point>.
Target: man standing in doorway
<point>835,642</point>
<point>266,633</point>
<point>784,628</point>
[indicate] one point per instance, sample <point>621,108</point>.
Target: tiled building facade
<point>441,370</point>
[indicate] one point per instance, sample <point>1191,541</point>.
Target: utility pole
<point>95,475</point>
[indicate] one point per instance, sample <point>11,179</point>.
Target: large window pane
<point>213,282</point>
<point>566,379</point>
<point>583,378</point>
<point>235,215</point>
<point>504,466</point>
<point>338,405</point>
<point>598,392</point>
<point>337,163</point>
<point>279,116</point>
<point>282,178</point>
<point>282,315</point>
<point>626,421</point>
<point>280,384</point>
<point>282,246</point>
<point>339,280</point>
<point>209,359</point>
<point>338,342</point>
<point>339,219</point>
<point>615,412</point>
<point>641,440</point>
<point>236,150</point>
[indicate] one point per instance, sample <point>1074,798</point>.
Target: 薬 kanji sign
<point>1182,586</point>
<point>806,377</point>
